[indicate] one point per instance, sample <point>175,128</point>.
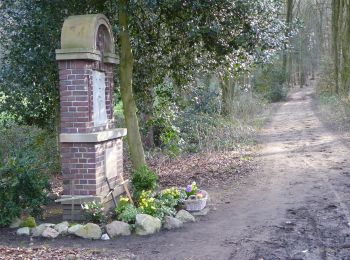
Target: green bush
<point>172,197</point>
<point>23,189</point>
<point>20,141</point>
<point>143,180</point>
<point>155,206</point>
<point>126,211</point>
<point>158,205</point>
<point>269,81</point>
<point>29,222</point>
<point>334,111</point>
<point>94,212</point>
<point>207,133</point>
<point>28,157</point>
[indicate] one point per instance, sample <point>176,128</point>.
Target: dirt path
<point>295,206</point>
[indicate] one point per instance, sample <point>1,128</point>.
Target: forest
<point>197,66</point>
<point>197,82</point>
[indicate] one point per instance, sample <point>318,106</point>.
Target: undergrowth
<point>335,110</point>
<point>203,132</point>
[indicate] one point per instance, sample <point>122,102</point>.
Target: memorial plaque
<point>111,157</point>
<point>99,98</point>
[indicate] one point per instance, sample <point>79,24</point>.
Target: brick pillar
<point>91,146</point>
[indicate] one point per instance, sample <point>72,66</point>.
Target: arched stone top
<point>87,37</point>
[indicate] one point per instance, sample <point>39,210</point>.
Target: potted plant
<point>196,198</point>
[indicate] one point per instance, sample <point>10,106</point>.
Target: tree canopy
<point>172,44</point>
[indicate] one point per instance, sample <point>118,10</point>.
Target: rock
<point>202,212</point>
<point>38,231</point>
<point>118,228</point>
<point>74,228</point>
<point>105,237</point>
<point>185,216</point>
<point>172,223</point>
<point>50,233</point>
<point>24,231</point>
<point>147,225</point>
<point>16,223</point>
<point>62,228</point>
<point>89,231</point>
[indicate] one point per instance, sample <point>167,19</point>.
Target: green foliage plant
<point>157,207</point>
<point>94,212</point>
<point>147,203</point>
<point>29,222</point>
<point>126,211</point>
<point>23,189</point>
<point>270,81</point>
<point>143,179</point>
<point>172,197</point>
<point>31,142</point>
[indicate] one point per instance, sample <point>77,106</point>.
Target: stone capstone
<point>25,231</point>
<point>50,233</point>
<point>89,231</point>
<point>185,216</point>
<point>62,228</point>
<point>118,228</point>
<point>172,223</point>
<point>146,224</point>
<point>74,229</point>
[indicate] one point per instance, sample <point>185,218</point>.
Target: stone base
<point>72,205</point>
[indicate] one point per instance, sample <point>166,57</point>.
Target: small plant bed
<point>148,211</point>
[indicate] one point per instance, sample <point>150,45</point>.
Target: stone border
<point>93,137</point>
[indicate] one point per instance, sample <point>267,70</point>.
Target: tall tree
<point>160,41</point>
<point>289,17</point>
<point>126,75</point>
<point>335,41</point>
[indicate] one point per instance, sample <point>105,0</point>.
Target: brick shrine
<point>91,146</point>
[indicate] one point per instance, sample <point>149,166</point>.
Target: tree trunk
<point>335,34</point>
<point>227,90</point>
<point>147,118</point>
<point>345,71</point>
<point>288,22</point>
<point>126,72</point>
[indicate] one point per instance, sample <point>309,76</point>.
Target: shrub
<point>126,211</point>
<point>21,141</point>
<point>207,133</point>
<point>172,197</point>
<point>23,189</point>
<point>147,203</point>
<point>269,81</point>
<point>334,111</point>
<point>29,222</point>
<point>93,212</point>
<point>156,207</point>
<point>143,180</point>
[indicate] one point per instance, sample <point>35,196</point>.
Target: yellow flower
<point>124,199</point>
